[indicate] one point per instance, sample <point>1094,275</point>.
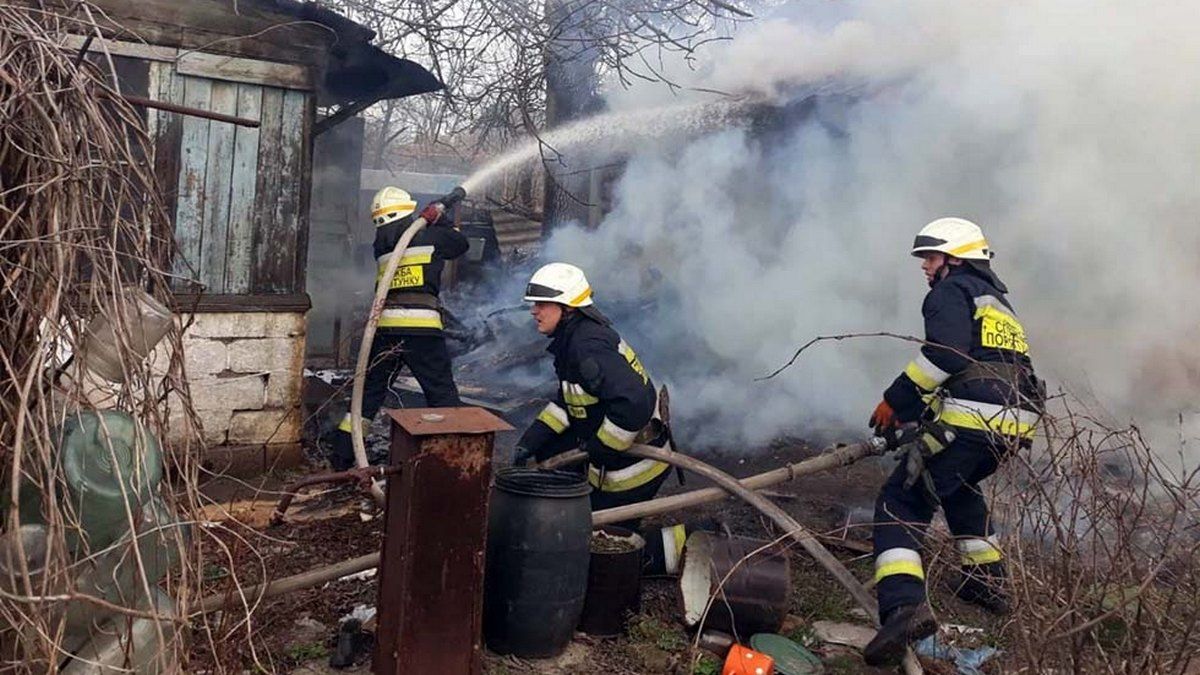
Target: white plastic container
<point>144,322</point>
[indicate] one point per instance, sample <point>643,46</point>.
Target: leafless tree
<point>515,67</point>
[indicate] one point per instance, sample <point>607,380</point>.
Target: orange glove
<point>884,418</point>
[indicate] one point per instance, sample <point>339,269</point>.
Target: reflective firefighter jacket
<point>604,401</point>
<point>975,373</point>
<point>412,305</point>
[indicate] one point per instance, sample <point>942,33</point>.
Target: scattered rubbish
<point>121,645</point>
<point>614,581</point>
<point>717,642</point>
<point>330,377</point>
<point>968,661</point>
<point>961,629</point>
<point>361,613</point>
<point>139,319</point>
<point>307,630</point>
<point>789,657</point>
<point>360,576</point>
<point>748,587</point>
<point>745,661</point>
<point>849,634</point>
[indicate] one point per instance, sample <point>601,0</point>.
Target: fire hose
<point>364,351</point>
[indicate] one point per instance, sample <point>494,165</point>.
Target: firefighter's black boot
<point>903,626</point>
<point>983,585</point>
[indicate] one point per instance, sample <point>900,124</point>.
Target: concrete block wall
<point>245,371</point>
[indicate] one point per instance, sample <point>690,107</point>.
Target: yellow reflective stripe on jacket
<point>977,551</point>
<point>631,357</point>
<point>898,561</point>
<point>1007,420</point>
<point>555,418</point>
<point>620,480</point>
<point>614,436</point>
<point>347,424</point>
<point>410,318</point>
<point>925,374</point>
<point>575,395</point>
<point>413,255</point>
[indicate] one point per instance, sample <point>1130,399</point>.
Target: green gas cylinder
<point>111,466</point>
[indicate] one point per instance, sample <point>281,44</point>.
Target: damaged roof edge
<point>358,71</point>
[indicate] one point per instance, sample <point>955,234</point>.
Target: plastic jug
<point>143,320</point>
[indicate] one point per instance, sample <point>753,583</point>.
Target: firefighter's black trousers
<point>425,355</point>
<point>902,517</point>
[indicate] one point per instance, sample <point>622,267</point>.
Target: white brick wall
<point>245,372</point>
<point>266,355</point>
<point>239,392</point>
<point>226,325</point>
<point>205,358</point>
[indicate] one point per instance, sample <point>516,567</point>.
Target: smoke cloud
<point>1069,130</point>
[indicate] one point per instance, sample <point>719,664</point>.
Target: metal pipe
<point>255,594</point>
<point>364,475</point>
<point>184,110</point>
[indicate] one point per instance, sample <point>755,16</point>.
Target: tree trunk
<point>571,83</point>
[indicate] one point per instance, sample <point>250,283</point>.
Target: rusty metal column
<point>431,576</point>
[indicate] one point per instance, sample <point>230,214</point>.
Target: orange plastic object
<point>744,661</point>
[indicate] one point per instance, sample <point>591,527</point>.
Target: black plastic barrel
<point>614,586</point>
<point>539,530</point>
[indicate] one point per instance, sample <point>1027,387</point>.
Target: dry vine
<point>83,233</point>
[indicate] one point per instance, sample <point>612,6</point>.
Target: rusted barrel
<point>749,587</point>
<point>539,526</point>
<point>614,581</point>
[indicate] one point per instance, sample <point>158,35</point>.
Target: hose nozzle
<point>453,197</point>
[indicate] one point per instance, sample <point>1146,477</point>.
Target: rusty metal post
<point>431,575</point>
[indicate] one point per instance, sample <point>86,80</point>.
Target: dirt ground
<point>297,632</point>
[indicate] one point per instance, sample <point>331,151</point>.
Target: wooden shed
<point>238,192</point>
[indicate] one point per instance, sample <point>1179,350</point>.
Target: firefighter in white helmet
<point>605,402</point>
<point>973,395</point>
<point>410,327</point>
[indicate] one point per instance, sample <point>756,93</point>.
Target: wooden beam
<point>204,64</point>
<point>249,302</point>
<point>249,71</point>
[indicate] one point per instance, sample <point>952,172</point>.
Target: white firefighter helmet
<point>391,204</point>
<point>560,283</point>
<point>956,237</point>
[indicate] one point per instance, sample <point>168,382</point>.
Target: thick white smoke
<point>1070,130</point>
